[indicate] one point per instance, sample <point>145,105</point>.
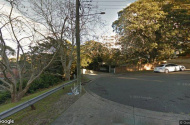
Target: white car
<point>169,68</point>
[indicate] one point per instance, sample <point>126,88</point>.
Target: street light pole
<point>78,45</point>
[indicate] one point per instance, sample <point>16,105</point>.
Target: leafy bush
<point>4,96</point>
<point>44,81</point>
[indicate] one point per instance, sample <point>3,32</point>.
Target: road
<point>147,90</point>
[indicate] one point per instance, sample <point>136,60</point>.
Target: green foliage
<point>4,96</point>
<point>153,29</point>
<point>44,81</point>
<point>113,56</point>
<point>92,53</point>
<point>85,61</point>
<point>95,53</point>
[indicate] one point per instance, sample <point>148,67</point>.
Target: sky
<point>6,31</point>
<point>5,9</point>
<point>110,7</point>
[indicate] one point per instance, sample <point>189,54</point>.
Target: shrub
<point>44,81</point>
<point>4,96</point>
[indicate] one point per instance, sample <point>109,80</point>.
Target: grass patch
<point>47,110</point>
<point>9,105</point>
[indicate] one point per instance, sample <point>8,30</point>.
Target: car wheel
<point>181,69</point>
<point>166,71</point>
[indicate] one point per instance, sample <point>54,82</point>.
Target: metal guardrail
<point>30,102</point>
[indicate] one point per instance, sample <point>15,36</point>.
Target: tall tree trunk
<point>67,74</point>
<point>16,96</point>
<point>66,66</point>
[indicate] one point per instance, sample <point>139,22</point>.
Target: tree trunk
<point>67,70</point>
<point>67,75</point>
<point>15,97</point>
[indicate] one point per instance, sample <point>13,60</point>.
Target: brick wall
<point>130,67</point>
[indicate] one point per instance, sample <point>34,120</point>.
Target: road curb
<point>137,116</point>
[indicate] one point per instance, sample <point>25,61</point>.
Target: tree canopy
<point>153,29</point>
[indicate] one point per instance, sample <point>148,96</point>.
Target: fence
<point>26,104</point>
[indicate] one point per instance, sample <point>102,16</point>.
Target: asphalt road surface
<point>147,90</point>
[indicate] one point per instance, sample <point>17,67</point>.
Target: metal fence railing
<point>30,102</point>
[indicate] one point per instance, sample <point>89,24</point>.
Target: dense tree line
<point>43,33</point>
<point>154,29</point>
<point>94,54</point>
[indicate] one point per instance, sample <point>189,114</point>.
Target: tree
<point>113,57</point>
<point>92,53</point>
<point>138,24</point>
<point>152,29</point>
<point>59,19</point>
<point>95,53</point>
<point>30,60</point>
<point>177,22</point>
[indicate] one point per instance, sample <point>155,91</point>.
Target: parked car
<point>169,68</point>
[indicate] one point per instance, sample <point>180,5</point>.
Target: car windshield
<point>173,64</point>
<point>160,66</point>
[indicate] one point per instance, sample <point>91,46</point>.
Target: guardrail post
<point>33,107</point>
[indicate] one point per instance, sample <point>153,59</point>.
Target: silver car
<point>169,68</point>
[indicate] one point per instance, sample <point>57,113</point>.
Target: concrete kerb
<point>137,116</point>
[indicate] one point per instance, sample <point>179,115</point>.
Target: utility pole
<point>78,45</point>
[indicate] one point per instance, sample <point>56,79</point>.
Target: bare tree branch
<point>1,86</point>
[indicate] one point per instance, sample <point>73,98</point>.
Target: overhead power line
<point>106,5</point>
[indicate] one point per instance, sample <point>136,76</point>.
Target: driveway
<point>147,90</point>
